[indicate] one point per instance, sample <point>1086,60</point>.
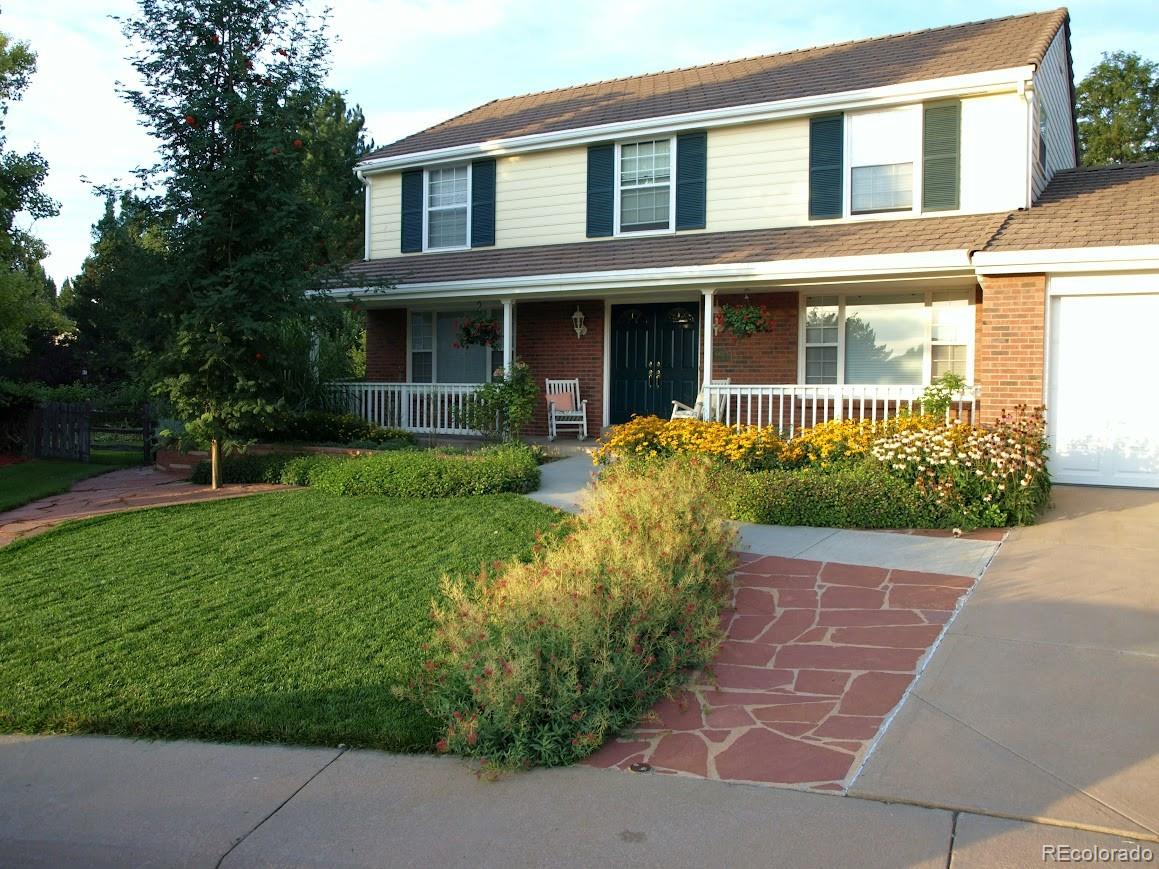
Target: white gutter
<point>973,84</point>
<point>953,263</point>
<point>1069,260</point>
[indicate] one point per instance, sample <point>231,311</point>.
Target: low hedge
<point>321,427</point>
<point>859,496</point>
<point>403,473</point>
<point>540,663</point>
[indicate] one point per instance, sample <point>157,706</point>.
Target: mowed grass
<point>287,617</point>
<point>39,478</point>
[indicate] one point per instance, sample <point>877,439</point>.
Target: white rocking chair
<point>680,410</point>
<point>565,409</point>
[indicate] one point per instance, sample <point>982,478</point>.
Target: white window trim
<point>927,354</point>
<point>847,171</point>
<point>427,205</point>
<point>616,231</point>
<point>434,314</point>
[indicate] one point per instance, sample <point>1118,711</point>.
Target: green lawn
<point>40,478</point>
<point>284,617</point>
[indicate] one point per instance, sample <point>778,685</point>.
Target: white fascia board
<point>1069,260</point>
<point>777,271</point>
<point>972,84</point>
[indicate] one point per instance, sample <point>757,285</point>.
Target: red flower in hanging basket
<point>484,331</point>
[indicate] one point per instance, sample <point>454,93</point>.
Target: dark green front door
<point>655,358</point>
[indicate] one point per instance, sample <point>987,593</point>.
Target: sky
<point>410,64</point>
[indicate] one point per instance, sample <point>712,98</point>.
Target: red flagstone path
<point>816,656</point>
<point>114,492</point>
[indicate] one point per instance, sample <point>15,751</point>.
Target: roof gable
<point>888,60</point>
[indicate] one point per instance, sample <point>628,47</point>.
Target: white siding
<point>385,215</point>
<point>541,198</point>
<point>1052,87</point>
<point>758,175</point>
<point>994,165</point>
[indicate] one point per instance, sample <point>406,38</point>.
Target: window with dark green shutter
<point>412,211</point>
<point>826,144</point>
<point>483,203</point>
<point>691,174</point>
<point>601,189</point>
<point>941,157</point>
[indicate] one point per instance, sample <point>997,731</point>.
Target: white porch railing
<point>427,408</point>
<point>792,407</point>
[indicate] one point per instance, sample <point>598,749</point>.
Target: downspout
<point>362,176</point>
<point>1027,92</point>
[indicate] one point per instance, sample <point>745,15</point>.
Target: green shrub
<point>501,409</point>
<point>859,496</point>
<point>540,663</point>
<point>402,473</point>
<point>320,427</point>
<point>431,473</point>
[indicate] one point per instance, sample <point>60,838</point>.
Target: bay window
<point>448,196</point>
<point>883,148</point>
<point>434,356</point>
<point>895,339</point>
<point>644,200</point>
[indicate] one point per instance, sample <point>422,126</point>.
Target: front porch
<point>843,352</point>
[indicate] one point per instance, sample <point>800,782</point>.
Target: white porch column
<point>708,299</point>
<point>508,335</point>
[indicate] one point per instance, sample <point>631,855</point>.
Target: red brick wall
<point>766,357</point>
<point>546,341</point>
<point>1011,354</point>
<point>386,345</point>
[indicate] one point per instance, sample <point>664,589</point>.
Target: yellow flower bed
<point>823,444</point>
<point>649,437</point>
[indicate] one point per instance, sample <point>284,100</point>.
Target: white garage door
<point>1103,407</point>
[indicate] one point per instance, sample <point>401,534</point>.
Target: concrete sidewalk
<point>96,801</point>
<point>1041,701</point>
<point>563,485</point>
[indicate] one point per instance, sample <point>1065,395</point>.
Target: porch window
<point>645,178</point>
<point>896,339</point>
<point>882,151</point>
<point>434,358</point>
<point>447,198</point>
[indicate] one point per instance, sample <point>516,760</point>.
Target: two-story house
<point>902,207</point>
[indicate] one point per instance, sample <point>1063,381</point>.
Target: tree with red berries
<point>229,89</point>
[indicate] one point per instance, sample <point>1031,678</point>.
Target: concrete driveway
<point>1042,701</point>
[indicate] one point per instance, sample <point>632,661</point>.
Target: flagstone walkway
<point>128,489</point>
<point>816,657</point>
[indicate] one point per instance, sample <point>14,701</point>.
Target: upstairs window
<point>448,197</point>
<point>883,148</point>
<point>645,186</point>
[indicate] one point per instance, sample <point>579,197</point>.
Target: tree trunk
<point>214,464</point>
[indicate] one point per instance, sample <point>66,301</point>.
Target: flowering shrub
<point>975,476</point>
<point>538,664</point>
<point>484,331</point>
<point>742,320</point>
<point>650,437</point>
<point>830,443</point>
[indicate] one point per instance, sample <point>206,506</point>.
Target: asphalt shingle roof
<point>1099,206</point>
<point>965,232</point>
<point>887,60</point>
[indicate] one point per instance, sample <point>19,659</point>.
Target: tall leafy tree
<point>230,88</point>
<point>26,295</point>
<point>1117,107</point>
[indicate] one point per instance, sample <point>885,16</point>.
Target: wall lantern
<point>577,322</point>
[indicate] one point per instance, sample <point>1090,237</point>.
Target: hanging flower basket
<point>483,331</point>
<point>742,320</point>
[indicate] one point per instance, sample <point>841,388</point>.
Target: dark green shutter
<point>691,172</point>
<point>412,211</point>
<point>826,152</point>
<point>941,156</point>
<point>483,203</point>
<point>601,189</point>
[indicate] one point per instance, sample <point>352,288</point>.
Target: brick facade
<point>386,345</point>
<point>1010,354</point>
<point>766,357</point>
<point>546,341</point>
